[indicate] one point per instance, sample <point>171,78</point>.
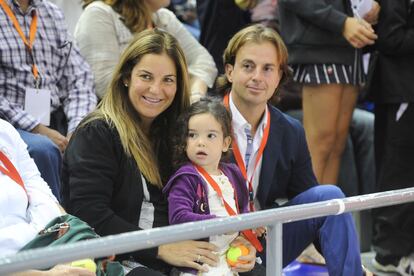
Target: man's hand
<point>259,231</point>
<point>57,138</point>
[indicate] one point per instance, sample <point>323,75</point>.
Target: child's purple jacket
<point>187,193</point>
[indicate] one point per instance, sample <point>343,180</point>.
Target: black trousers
<point>394,154</point>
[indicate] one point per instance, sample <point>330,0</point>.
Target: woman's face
<point>155,5</point>
<point>152,86</point>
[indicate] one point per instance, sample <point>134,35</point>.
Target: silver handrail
<point>132,241</point>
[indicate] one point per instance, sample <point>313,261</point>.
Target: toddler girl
<point>203,187</point>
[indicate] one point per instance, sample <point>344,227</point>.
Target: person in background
<point>357,170</point>
<point>219,21</point>
<point>272,152</point>
<point>393,89</point>
<point>27,204</point>
<point>120,156</point>
<point>185,10</point>
<point>266,13</point>
<point>324,41</point>
<point>46,87</point>
<point>72,10</point>
<point>106,27</point>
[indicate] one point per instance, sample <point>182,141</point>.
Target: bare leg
<point>349,98</point>
<point>321,108</point>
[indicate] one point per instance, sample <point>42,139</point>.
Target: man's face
<point>255,75</point>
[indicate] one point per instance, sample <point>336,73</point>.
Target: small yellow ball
<point>234,253</point>
<point>88,264</point>
<point>243,4</point>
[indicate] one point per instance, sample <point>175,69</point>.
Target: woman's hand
<point>372,16</point>
<point>358,32</point>
<point>191,254</point>
<point>198,89</point>
<point>250,259</point>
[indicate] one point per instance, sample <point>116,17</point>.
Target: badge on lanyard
<point>37,104</point>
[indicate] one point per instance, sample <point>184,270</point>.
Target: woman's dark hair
<point>208,105</point>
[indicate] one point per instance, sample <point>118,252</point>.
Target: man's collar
<point>239,122</point>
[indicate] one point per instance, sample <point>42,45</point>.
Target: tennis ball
<point>88,264</point>
<point>243,4</point>
<point>234,253</point>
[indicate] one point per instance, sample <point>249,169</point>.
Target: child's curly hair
<point>208,105</point>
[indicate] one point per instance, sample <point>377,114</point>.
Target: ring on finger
<point>198,258</point>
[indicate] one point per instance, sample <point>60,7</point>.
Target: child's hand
<point>250,259</point>
<point>260,231</point>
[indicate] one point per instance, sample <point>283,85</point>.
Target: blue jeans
<point>336,235</point>
<point>47,157</point>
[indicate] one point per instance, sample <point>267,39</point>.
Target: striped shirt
<point>62,70</point>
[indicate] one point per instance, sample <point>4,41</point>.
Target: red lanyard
<point>10,170</point>
<point>247,233</point>
<point>32,34</point>
<point>239,159</point>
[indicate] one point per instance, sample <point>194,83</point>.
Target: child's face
<point>205,142</point>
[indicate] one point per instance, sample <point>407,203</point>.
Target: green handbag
<point>69,229</point>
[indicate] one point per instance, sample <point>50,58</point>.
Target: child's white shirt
<point>221,241</point>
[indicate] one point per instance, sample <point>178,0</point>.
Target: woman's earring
<point>126,84</point>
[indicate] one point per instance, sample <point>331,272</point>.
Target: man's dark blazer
<point>286,165</point>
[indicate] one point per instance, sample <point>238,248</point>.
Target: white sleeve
<point>43,206</point>
<point>96,38</point>
<point>20,228</point>
<point>200,62</point>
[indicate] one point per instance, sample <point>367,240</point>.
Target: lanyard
<point>247,233</point>
<point>239,159</point>
<point>32,35</point>
<point>10,170</point>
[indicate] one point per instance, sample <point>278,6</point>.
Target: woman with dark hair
<point>106,27</point>
<point>119,157</point>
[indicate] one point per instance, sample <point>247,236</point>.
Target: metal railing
<point>274,219</point>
